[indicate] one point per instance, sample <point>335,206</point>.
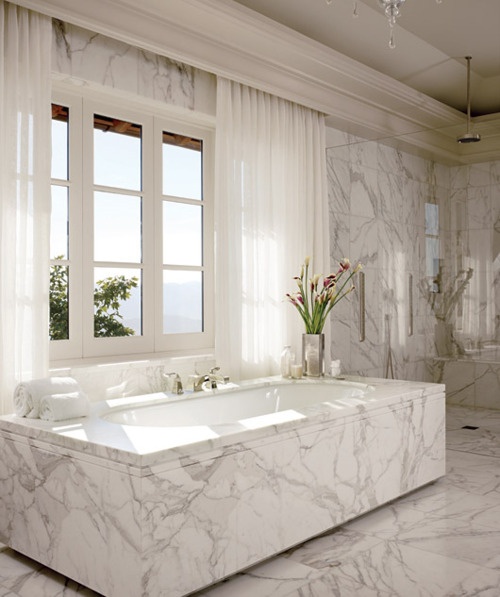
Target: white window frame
<point>82,344</point>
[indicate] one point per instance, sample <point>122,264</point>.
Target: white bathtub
<point>241,406</point>
<point>159,495</point>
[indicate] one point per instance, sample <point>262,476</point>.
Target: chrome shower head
<point>468,137</point>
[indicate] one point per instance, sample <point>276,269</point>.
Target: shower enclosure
<point>428,234</point>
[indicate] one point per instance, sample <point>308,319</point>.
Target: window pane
<point>182,167</point>
<point>117,302</point>
<point>431,219</point>
<point>59,303</point>
<point>182,234</point>
<point>182,302</point>
<point>117,228</point>
<point>59,223</point>
<point>59,142</point>
<point>117,153</point>
<point>432,258</point>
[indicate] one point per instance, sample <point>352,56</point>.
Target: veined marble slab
<point>130,518</point>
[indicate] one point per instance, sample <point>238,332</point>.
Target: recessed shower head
<point>469,136</point>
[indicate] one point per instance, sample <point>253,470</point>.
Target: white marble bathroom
<point>378,479</point>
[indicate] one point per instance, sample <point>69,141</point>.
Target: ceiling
<point>412,97</point>
<point>432,40</point>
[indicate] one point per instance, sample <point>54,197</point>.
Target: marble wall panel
<point>487,385</point>
<point>339,236</point>
<point>412,203</point>
<point>364,154</point>
<point>339,183</point>
<point>117,380</point>
<point>389,160</point>
<point>479,208</point>
<point>364,235</point>
<point>365,197</point>
<point>391,192</point>
<point>387,199</point>
<point>459,378</point>
<point>86,58</point>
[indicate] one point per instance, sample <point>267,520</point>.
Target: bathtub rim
<point>396,395</point>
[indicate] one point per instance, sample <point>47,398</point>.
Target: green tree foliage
<point>108,294</point>
<point>58,301</point>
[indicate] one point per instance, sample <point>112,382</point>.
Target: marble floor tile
<point>452,537</point>
<point>276,578</point>
<point>443,500</point>
<point>390,568</point>
<point>22,577</point>
<point>7,593</point>
<point>473,473</point>
<point>482,441</point>
<point>483,583</point>
<point>442,540</point>
<point>333,548</point>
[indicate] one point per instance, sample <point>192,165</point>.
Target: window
<point>131,233</point>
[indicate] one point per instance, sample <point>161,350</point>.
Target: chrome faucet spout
<point>212,378</point>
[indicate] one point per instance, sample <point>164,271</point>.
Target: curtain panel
<point>25,129</point>
<point>271,212</point>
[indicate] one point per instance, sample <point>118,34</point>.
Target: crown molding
<point>229,40</point>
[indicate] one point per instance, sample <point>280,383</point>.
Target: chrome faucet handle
<point>215,378</point>
<point>176,387</point>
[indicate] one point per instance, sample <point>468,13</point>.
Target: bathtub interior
<point>247,406</point>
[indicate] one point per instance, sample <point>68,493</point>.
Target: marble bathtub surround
<point>166,517</point>
<point>350,561</point>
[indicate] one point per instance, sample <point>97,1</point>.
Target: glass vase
<point>313,354</point>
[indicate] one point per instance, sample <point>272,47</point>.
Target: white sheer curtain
<point>25,128</point>
<point>271,212</point>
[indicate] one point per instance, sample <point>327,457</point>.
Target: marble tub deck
<point>441,540</point>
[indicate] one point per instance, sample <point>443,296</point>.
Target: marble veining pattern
<point>154,521</point>
<point>394,551</point>
<point>377,196</point>
<point>90,57</point>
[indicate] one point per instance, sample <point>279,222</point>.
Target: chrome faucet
<point>176,387</point>
<point>211,378</point>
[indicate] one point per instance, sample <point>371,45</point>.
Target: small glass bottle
<point>286,362</point>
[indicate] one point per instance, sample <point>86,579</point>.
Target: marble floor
<point>442,540</point>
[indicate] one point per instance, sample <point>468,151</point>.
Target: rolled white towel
<point>58,407</point>
<point>28,394</point>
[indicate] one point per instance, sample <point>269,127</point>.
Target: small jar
<point>335,368</point>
